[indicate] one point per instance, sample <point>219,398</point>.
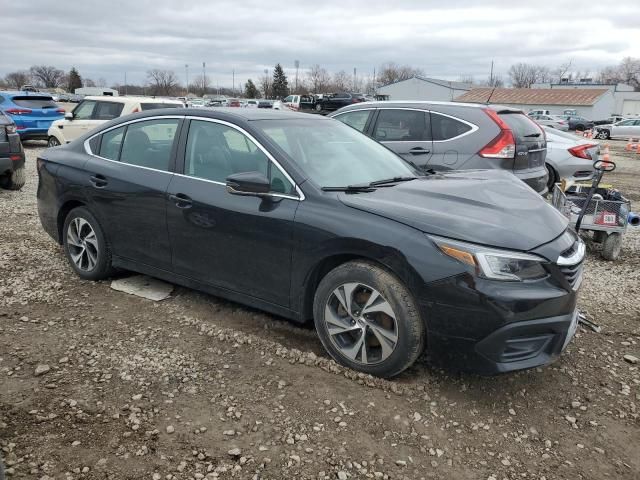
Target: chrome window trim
<point>300,197</point>
<point>473,126</point>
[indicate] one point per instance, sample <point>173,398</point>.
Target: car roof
<point>248,114</point>
<point>426,103</point>
<point>20,93</point>
<point>131,98</point>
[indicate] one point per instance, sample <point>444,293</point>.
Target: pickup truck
<point>321,103</point>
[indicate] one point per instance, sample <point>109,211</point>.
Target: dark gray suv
<point>455,136</point>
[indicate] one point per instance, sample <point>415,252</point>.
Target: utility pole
<point>297,64</point>
<point>266,83</point>
<point>491,75</point>
<point>233,77</point>
<point>186,69</point>
<point>125,83</point>
<point>354,80</point>
<point>204,81</point>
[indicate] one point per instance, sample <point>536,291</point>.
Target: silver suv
<point>455,136</point>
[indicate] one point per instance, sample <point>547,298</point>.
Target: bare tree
<point>318,78</point>
<point>201,84</point>
<point>629,71</point>
<point>17,79</point>
<point>341,81</point>
<point>390,72</point>
<point>102,83</point>
<point>47,76</point>
<point>162,82</point>
<point>467,79</point>
<point>88,82</point>
<point>562,71</point>
<point>265,85</point>
<point>523,75</point>
<point>495,81</point>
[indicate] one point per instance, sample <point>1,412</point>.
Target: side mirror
<point>248,183</point>
<point>68,115</point>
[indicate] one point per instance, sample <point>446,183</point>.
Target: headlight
<point>493,263</point>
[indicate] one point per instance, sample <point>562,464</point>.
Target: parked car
<point>196,103</point>
<point>569,157</point>
<point>233,102</point>
<point>299,103</point>
<point>539,112</point>
<point>12,175</point>
<point>304,217</point>
<point>31,112</point>
<point>262,103</point>
<point>64,97</point>
<point>553,121</point>
<point>252,103</point>
<point>76,98</point>
<point>330,103</point>
<point>608,121</point>
<point>624,129</point>
<point>578,123</point>
<point>455,136</point>
<point>94,111</point>
<point>276,104</point>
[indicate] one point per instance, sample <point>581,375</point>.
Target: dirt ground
<point>97,384</point>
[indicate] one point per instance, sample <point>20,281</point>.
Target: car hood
<point>489,207</point>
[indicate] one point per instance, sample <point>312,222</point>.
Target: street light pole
<point>204,81</point>
<point>297,64</point>
<point>186,69</point>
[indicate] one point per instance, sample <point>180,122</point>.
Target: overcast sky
<point>446,39</point>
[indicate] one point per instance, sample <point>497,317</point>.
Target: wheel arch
<point>62,215</point>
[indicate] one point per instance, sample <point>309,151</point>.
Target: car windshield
<point>333,154</point>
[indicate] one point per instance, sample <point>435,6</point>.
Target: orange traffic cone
<point>630,145</point>
<point>605,156</point>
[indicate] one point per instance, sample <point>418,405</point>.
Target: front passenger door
<point>234,242</point>
<point>406,132</point>
<point>81,122</point>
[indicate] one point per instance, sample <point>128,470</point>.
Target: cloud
<point>106,39</point>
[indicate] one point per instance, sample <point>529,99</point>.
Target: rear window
<point>521,125</point>
<point>155,106</point>
<point>34,102</point>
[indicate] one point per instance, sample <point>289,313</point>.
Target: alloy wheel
<point>82,244</point>
<point>53,142</point>
<point>361,323</point>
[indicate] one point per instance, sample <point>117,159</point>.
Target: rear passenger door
<point>451,146</point>
<point>407,132</point>
<point>129,175</point>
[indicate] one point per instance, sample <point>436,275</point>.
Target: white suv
<point>94,111</point>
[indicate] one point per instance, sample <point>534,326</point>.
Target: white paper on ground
<point>143,286</point>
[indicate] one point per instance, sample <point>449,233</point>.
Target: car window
<point>521,126</point>
<point>153,106</point>
<point>110,143</point>
<point>34,102</point>
<point>215,151</point>
<point>402,126</point>
<point>149,143</point>
<point>107,110</point>
<point>84,110</point>
<point>445,128</point>
<point>288,99</point>
<point>357,119</point>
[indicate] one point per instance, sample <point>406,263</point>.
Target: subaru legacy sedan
<point>304,217</point>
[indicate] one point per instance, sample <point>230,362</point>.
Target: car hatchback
<point>32,113</point>
<point>455,136</point>
<point>304,217</point>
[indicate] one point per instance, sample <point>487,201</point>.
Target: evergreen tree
<point>75,80</point>
<point>280,88</point>
<point>250,90</point>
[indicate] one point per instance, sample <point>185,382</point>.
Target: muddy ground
<point>97,384</point>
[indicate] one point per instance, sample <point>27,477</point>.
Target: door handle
<point>419,151</point>
<point>98,181</point>
<point>181,200</point>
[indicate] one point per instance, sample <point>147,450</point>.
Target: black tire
<point>603,135</point>
<point>599,236</point>
<point>14,180</point>
<point>102,267</point>
<point>611,246</point>
<point>52,142</point>
<point>318,107</point>
<point>409,326</point>
<point>553,177</point>
<point>579,128</point>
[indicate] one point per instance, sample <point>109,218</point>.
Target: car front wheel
<point>553,177</point>
<point>52,142</point>
<point>368,320</point>
<point>603,135</point>
<point>85,245</point>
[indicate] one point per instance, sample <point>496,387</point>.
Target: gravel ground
<point>95,383</point>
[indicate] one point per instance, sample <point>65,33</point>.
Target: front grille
<point>573,273</point>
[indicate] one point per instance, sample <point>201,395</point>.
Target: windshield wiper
<point>350,188</point>
<point>391,180</point>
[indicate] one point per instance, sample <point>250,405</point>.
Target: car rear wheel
<point>85,245</point>
<point>603,135</point>
<point>14,180</point>
<point>368,320</point>
<point>579,128</point>
<point>553,177</point>
<point>52,142</point>
<point>318,107</point>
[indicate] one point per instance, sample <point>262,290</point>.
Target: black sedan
<point>305,217</point>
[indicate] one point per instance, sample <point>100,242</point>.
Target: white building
<point>422,88</point>
<point>627,101</point>
<point>109,92</point>
<point>590,103</point>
